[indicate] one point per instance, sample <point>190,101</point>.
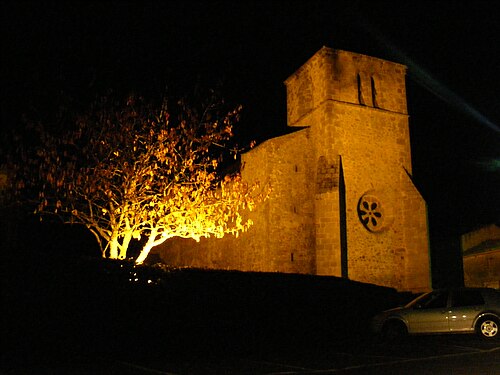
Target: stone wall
<point>282,237</point>
<point>481,257</point>
<point>482,269</point>
<point>342,201</point>
<point>345,77</point>
<point>479,236</point>
<point>356,107</point>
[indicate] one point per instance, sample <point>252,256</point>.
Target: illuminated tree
<point>130,170</point>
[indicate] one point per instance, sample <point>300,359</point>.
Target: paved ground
<point>435,355</point>
<point>85,316</point>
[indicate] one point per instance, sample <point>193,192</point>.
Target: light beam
<point>427,81</point>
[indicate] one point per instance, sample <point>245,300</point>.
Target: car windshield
<point>419,300</point>
<point>431,300</point>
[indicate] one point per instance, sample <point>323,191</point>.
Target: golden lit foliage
<point>131,169</point>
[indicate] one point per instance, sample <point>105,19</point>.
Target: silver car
<point>460,310</point>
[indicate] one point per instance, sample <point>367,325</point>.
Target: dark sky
<point>53,50</point>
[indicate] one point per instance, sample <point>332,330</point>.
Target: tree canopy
<point>134,169</point>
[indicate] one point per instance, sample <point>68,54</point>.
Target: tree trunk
<point>124,245</point>
<point>113,248</point>
<point>154,239</point>
<point>143,254</point>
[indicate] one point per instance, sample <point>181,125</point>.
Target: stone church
<point>343,202</point>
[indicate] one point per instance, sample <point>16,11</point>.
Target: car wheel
<point>487,327</point>
<point>394,331</point>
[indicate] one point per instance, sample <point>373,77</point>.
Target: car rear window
<point>467,298</point>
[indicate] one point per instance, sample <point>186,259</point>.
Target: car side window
<point>467,298</point>
<point>436,300</point>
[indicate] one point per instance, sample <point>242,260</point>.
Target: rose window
<point>370,213</point>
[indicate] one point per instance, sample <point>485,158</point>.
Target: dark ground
<point>58,305</point>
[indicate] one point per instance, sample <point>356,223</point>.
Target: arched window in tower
<point>374,93</point>
<point>360,91</point>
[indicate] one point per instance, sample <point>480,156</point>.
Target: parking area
<point>83,319</point>
<point>461,354</point>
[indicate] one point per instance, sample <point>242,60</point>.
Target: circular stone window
<point>371,213</point>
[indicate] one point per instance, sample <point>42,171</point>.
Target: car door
<point>466,304</point>
<point>430,315</point>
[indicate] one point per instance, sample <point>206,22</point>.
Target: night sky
<point>52,51</point>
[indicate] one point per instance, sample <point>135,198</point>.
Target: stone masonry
<point>481,257</point>
<point>342,202</point>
